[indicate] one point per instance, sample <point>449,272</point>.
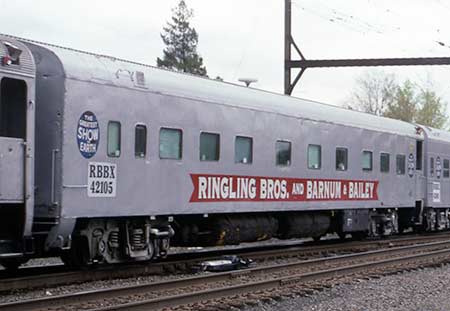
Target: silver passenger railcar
<point>108,160</point>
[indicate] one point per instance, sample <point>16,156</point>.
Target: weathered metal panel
<point>50,97</point>
<point>11,170</point>
<point>112,71</point>
<point>436,135</point>
<point>113,90</point>
<point>26,66</point>
<point>153,186</point>
<point>438,190</point>
<point>25,71</point>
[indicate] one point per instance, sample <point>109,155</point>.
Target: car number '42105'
<point>102,179</point>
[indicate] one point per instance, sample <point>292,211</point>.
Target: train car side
<point>151,190</point>
<point>17,132</point>
<point>437,201</point>
<point>131,159</point>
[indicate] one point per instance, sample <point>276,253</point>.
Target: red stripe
<point>234,188</point>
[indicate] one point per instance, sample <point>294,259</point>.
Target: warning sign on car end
<point>102,180</point>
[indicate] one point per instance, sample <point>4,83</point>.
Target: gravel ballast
<point>424,290</point>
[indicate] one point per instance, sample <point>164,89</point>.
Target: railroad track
<point>227,287</point>
<point>39,277</point>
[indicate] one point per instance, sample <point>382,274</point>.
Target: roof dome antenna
<point>248,81</point>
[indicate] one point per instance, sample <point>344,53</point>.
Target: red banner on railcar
<point>232,188</point>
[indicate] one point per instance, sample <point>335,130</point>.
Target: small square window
<point>283,153</point>
<point>314,157</point>
<point>341,159</point>
<point>384,162</point>
<point>114,139</point>
<point>243,150</point>
<point>170,144</point>
<point>401,164</point>
<point>140,141</point>
<point>367,161</point>
<point>209,147</point>
<point>446,168</point>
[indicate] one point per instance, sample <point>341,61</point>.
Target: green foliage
<point>431,109</point>
<point>403,107</point>
<point>382,95</point>
<point>181,42</point>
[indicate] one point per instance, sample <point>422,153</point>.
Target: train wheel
<point>78,255</point>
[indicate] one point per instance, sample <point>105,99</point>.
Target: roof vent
<point>140,79</point>
<point>13,57</point>
<point>248,81</point>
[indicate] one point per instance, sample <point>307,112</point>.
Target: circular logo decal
<point>411,165</point>
<point>88,134</point>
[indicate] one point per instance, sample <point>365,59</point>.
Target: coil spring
<point>138,239</point>
<point>114,239</point>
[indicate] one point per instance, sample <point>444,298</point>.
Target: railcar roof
<point>27,66</point>
<point>102,69</point>
<point>437,134</point>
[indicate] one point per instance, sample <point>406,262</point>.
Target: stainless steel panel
<point>11,170</point>
<point>26,66</point>
<point>153,186</point>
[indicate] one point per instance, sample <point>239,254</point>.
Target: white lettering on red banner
<point>216,188</point>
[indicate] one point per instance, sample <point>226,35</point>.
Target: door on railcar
<point>13,111</point>
<point>419,172</point>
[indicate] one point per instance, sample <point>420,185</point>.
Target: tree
<point>431,109</point>
<point>403,106</point>
<point>374,92</point>
<point>380,94</point>
<point>181,42</point>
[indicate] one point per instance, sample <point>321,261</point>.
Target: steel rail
<point>58,278</point>
<point>189,298</point>
<point>103,294</point>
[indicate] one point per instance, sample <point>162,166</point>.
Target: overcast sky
<point>244,38</point>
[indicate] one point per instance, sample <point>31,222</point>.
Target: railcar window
<point>140,141</point>
<point>243,150</point>
<point>13,108</point>
<point>314,157</point>
<point>419,153</point>
<point>384,162</point>
<point>283,153</point>
<point>400,164</point>
<point>431,167</point>
<point>209,147</point>
<point>341,159</point>
<point>446,168</point>
<point>170,144</point>
<point>367,161</point>
<point>114,139</point>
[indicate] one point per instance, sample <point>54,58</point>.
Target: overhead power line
<point>304,63</point>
